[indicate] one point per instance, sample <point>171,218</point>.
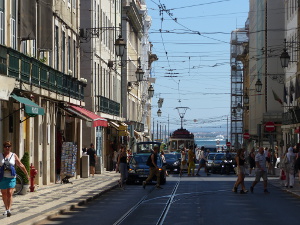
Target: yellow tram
<point>179,139</point>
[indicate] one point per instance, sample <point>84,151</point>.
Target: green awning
<point>31,108</point>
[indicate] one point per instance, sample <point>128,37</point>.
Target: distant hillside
<point>222,128</point>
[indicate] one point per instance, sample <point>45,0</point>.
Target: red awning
<point>88,115</point>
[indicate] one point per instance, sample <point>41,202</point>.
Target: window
<point>2,22</point>
<point>24,47</point>
<point>13,26</point>
<point>56,54</point>
<point>34,48</point>
<point>69,53</point>
<point>63,52</point>
<point>74,58</point>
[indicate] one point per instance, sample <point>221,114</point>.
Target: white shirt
<point>12,161</point>
<point>261,159</point>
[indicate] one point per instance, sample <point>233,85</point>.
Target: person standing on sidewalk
<point>8,160</point>
<point>154,170</point>
<point>260,170</point>
<point>92,155</point>
<point>191,162</point>
<point>122,165</point>
<point>289,168</point>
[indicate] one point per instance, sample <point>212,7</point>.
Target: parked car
<point>138,170</point>
<point>222,165</point>
<point>173,162</point>
<point>216,165</point>
<point>210,159</point>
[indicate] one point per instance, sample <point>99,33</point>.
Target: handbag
<point>282,176</point>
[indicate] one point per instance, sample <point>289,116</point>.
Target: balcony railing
<point>291,117</point>
<point>31,71</point>
<point>108,106</point>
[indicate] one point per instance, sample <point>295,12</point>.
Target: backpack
<point>149,161</point>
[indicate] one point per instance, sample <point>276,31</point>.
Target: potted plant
<point>25,161</point>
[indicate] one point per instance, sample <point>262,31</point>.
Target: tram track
<point>164,212</point>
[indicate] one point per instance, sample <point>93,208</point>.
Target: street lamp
<point>246,98</point>
<point>120,46</point>
<point>139,74</point>
<point>159,113</point>
<point>284,58</point>
<point>258,85</point>
<point>150,91</point>
<point>239,107</point>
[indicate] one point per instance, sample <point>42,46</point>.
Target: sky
<point>192,42</point>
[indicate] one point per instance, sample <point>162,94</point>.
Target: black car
<point>210,159</point>
<point>223,165</point>
<point>138,170</point>
<point>172,162</point>
<point>216,165</point>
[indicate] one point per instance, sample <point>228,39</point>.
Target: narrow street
<point>186,200</point>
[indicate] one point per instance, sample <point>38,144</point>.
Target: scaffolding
<point>237,49</point>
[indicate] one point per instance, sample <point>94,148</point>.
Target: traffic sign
<point>270,126</point>
<point>228,144</point>
<point>246,135</point>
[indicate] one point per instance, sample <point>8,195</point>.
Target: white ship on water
<point>219,137</point>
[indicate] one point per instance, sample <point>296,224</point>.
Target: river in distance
<point>209,142</point>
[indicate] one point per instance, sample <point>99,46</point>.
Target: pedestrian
<point>240,162</point>
<point>92,156</point>
<point>297,162</point>
<point>8,160</point>
<point>268,158</point>
<point>251,161</point>
<point>154,170</point>
<point>203,159</point>
<point>191,162</point>
<point>260,170</point>
<point>289,168</point>
<point>122,165</point>
<point>183,164</point>
<point>115,160</point>
<point>164,161</point>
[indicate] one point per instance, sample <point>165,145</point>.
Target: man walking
<point>260,170</point>
<point>92,155</point>
<point>154,170</point>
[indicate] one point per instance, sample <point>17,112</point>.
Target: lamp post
<point>284,58</point>
<point>246,99</point>
<point>120,46</point>
<point>139,74</point>
<point>159,113</point>
<point>258,85</point>
<point>150,91</point>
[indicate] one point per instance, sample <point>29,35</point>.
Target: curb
<point>72,206</point>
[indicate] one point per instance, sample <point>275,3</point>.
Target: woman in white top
<point>8,160</point>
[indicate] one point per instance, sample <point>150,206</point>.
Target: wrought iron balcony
<point>108,106</point>
<point>291,117</point>
<point>33,72</point>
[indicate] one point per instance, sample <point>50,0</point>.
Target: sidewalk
<point>49,200</point>
<point>275,181</point>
